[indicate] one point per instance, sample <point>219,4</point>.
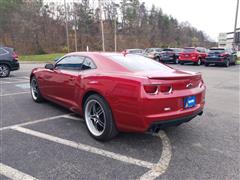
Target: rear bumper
<point>215,60</point>
<point>167,59</point>
<point>174,117</point>
<point>188,60</point>
<point>157,125</point>
<point>14,66</point>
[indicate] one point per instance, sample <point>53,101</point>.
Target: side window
<point>88,64</point>
<point>70,63</point>
<point>3,52</point>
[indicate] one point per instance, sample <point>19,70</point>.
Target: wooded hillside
<point>35,27</point>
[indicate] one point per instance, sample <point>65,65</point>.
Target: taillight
<point>151,89</point>
<point>165,88</point>
<point>156,88</point>
<point>14,55</point>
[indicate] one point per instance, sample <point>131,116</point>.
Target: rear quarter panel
<point>122,93</point>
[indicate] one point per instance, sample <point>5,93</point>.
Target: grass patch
<point>41,58</point>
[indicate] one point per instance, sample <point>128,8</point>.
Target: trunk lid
<point>178,80</point>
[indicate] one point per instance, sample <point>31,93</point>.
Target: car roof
<point>134,49</point>
<point>189,47</point>
<point>102,60</point>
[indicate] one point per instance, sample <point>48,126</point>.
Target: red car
<point>194,55</point>
<point>120,93</point>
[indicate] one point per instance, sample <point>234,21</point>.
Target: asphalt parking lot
<point>45,141</point>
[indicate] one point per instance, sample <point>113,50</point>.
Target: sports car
<point>117,92</point>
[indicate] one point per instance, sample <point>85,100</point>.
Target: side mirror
<point>49,66</point>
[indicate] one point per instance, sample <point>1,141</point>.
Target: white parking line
<point>13,82</point>
<point>155,169</point>
<point>13,94</point>
<point>5,82</point>
<point>14,173</point>
<point>17,78</point>
<point>36,121</point>
<point>86,148</point>
<point>73,118</point>
<point>164,161</point>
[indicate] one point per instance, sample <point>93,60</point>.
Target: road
<point>45,141</point>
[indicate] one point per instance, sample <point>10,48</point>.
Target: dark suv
<point>221,56</point>
<point>170,55</point>
<point>8,61</point>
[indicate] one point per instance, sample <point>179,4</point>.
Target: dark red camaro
<point>118,92</point>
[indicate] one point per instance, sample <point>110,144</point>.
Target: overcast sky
<point>211,16</point>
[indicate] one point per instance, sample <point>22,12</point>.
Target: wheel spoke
<point>94,108</point>
<point>99,112</point>
<point>100,123</point>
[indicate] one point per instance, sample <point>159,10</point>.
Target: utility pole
<point>66,23</point>
<point>101,21</point>
<point>75,28</point>
<point>115,33</point>
<point>115,26</point>
<point>235,26</point>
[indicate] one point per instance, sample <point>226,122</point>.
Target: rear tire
<point>182,63</point>
<point>99,119</point>
<point>4,70</point>
<point>227,63</point>
<point>235,61</point>
<point>206,64</point>
<point>35,92</point>
<point>199,62</point>
<point>158,59</point>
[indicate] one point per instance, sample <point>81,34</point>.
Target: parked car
<point>8,61</point>
<point>221,56</point>
<point>153,53</point>
<point>170,55</point>
<point>120,93</point>
<point>134,51</point>
<point>194,55</point>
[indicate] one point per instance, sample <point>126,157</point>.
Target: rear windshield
<point>138,63</point>
<point>217,50</point>
<point>176,50</point>
<point>189,50</point>
<point>134,51</point>
<point>168,50</point>
<point>157,50</point>
<point>3,52</point>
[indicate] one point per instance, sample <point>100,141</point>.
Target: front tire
<point>99,119</point>
<point>35,92</point>
<point>4,70</point>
